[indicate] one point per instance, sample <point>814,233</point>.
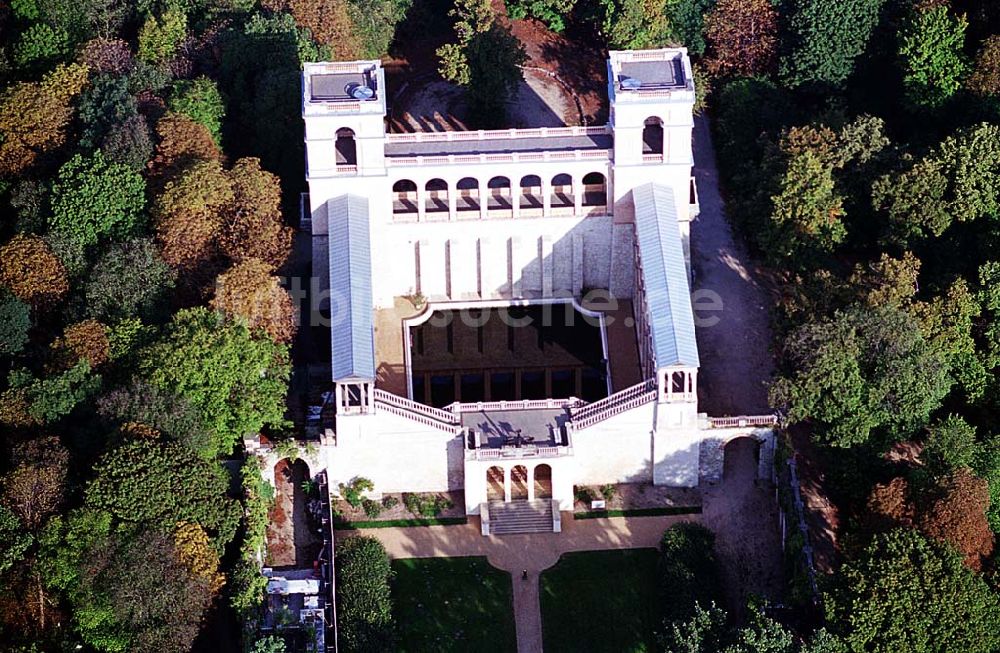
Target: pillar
<point>546,198</point>
<point>452,202</point>
<point>515,199</point>
<point>421,203</point>
<point>577,187</point>
<point>484,199</point>
<point>531,482</point>
<point>506,484</point>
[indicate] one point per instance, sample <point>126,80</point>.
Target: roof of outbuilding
<point>352,337</point>
<point>664,272</point>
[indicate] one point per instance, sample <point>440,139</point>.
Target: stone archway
<point>519,483</point>
<point>494,484</point>
<point>543,481</point>
<point>741,460</point>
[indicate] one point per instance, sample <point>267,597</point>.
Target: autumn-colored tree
<point>253,225</point>
<point>887,281</point>
<point>889,505</point>
<point>985,77</point>
<point>330,24</point>
<point>35,488</point>
<point>196,553</point>
<point>181,141</point>
<point>87,340</point>
<point>188,215</point>
<point>742,37</point>
<point>958,516</point>
<point>30,270</point>
<point>248,290</point>
<point>107,56</point>
<point>35,116</point>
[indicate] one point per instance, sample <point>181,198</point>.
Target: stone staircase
<point>520,517</point>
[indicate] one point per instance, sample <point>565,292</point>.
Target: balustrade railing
<point>495,134</point>
<point>524,451</point>
<point>619,402</point>
<point>414,410</point>
<point>498,157</point>
<point>523,404</point>
<point>742,421</point>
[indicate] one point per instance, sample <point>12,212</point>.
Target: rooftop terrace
<point>507,141</point>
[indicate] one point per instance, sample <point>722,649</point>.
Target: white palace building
<point>438,245</point>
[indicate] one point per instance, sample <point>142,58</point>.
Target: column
<point>531,482</point>
<point>484,200</point>
<point>515,199</point>
<point>546,198</point>
<point>421,203</point>
<point>506,484</point>
<point>577,197</point>
<point>452,201</point>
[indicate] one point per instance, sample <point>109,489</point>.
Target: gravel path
<point>735,349</point>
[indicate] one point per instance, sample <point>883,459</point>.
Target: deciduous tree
<point>30,270</point>
<point>180,142</point>
<point>985,77</point>
<point>199,99</point>
<point>238,382</point>
<point>15,321</point>
<point>931,55</point>
<point>130,279</point>
<point>253,226</point>
<point>950,445</point>
<point>827,36</point>
<point>158,485</point>
<point>364,604</point>
<point>957,516</point>
<point>36,487</point>
<point>94,199</point>
<point>862,370</point>
<point>248,291</point>
<point>742,36</point>
<point>35,117</point>
<point>905,593</point>
<point>82,341</point>
<point>159,37</point>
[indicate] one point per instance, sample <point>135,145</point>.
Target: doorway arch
<point>543,481</point>
<point>519,483</point>
<point>494,484</point>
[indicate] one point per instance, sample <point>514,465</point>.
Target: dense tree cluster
<point>863,171</point>
<point>141,145</point>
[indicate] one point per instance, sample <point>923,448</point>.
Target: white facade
<point>512,215</point>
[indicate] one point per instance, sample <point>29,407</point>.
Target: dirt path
<point>735,349</point>
<point>519,553</point>
<point>744,518</point>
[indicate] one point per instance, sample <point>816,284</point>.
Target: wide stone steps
<point>520,517</point>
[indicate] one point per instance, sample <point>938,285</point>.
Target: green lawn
<point>600,601</point>
<point>452,604</point>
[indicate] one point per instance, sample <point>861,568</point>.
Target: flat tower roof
<point>654,74</point>
<point>331,87</point>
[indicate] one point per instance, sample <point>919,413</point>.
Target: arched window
<point>595,191</point>
<point>652,136</point>
<point>531,195</point>
<point>562,192</point>
<point>347,151</point>
<point>468,194</point>
<point>499,196</point>
<point>404,198</point>
<point>437,196</point>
